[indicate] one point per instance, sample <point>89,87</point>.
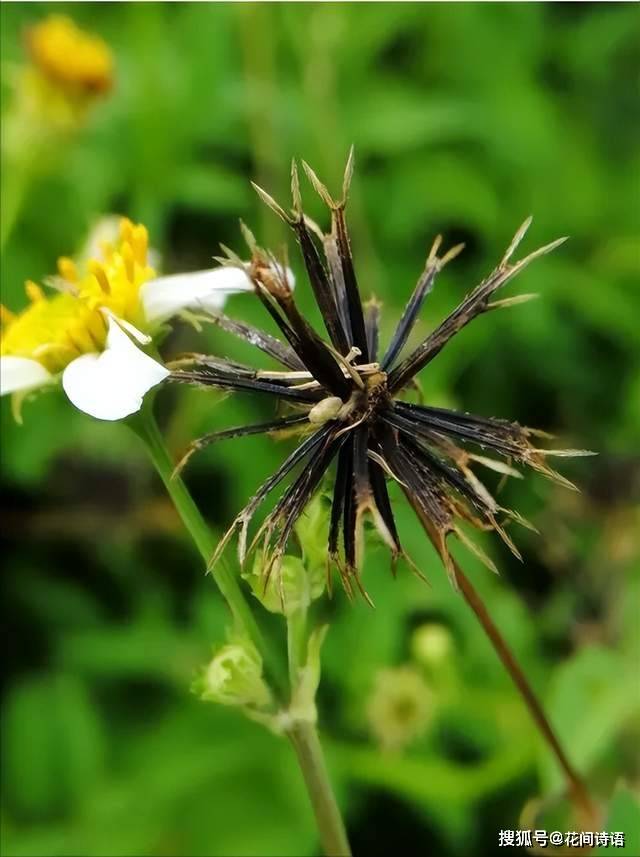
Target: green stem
<point>147,429</point>
<point>306,743</point>
<point>296,643</point>
<point>303,735</point>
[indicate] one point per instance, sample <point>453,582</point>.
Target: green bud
<point>311,529</point>
<point>291,587</point>
<point>431,645</point>
<point>234,677</point>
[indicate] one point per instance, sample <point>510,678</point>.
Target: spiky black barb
<point>346,400</point>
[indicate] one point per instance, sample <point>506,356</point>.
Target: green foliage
<point>465,119</point>
<point>54,745</point>
<point>624,815</point>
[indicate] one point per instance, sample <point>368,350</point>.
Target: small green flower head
<point>399,708</point>
<point>234,677</point>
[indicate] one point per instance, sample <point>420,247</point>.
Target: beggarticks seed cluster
<point>348,400</point>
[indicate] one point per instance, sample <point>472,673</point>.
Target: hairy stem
<point>577,788</point>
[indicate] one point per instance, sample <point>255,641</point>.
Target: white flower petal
<point>111,385</point>
<point>208,290</point>
<point>138,335</point>
<point>19,374</point>
<point>104,230</point>
<point>204,290</point>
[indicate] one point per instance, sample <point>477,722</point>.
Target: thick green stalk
<point>147,429</point>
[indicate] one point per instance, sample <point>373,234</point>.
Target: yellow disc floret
<point>70,57</point>
<point>114,281</point>
<point>56,329</point>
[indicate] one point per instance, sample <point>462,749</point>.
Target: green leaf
<point>592,696</point>
<point>623,816</point>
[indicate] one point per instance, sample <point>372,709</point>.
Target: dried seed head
<point>355,404</point>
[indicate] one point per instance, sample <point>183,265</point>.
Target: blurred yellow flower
<point>68,69</point>
<point>70,57</point>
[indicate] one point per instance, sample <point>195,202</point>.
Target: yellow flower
<point>88,329</point>
<point>68,70</point>
<point>55,330</point>
<point>70,57</point>
<point>52,93</point>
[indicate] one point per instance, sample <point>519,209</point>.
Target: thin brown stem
<point>578,789</point>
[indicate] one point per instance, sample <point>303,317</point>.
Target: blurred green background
<point>466,118</point>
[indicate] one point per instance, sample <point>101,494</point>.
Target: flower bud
<point>234,677</point>
<point>311,530</point>
<point>431,644</point>
<point>292,586</point>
